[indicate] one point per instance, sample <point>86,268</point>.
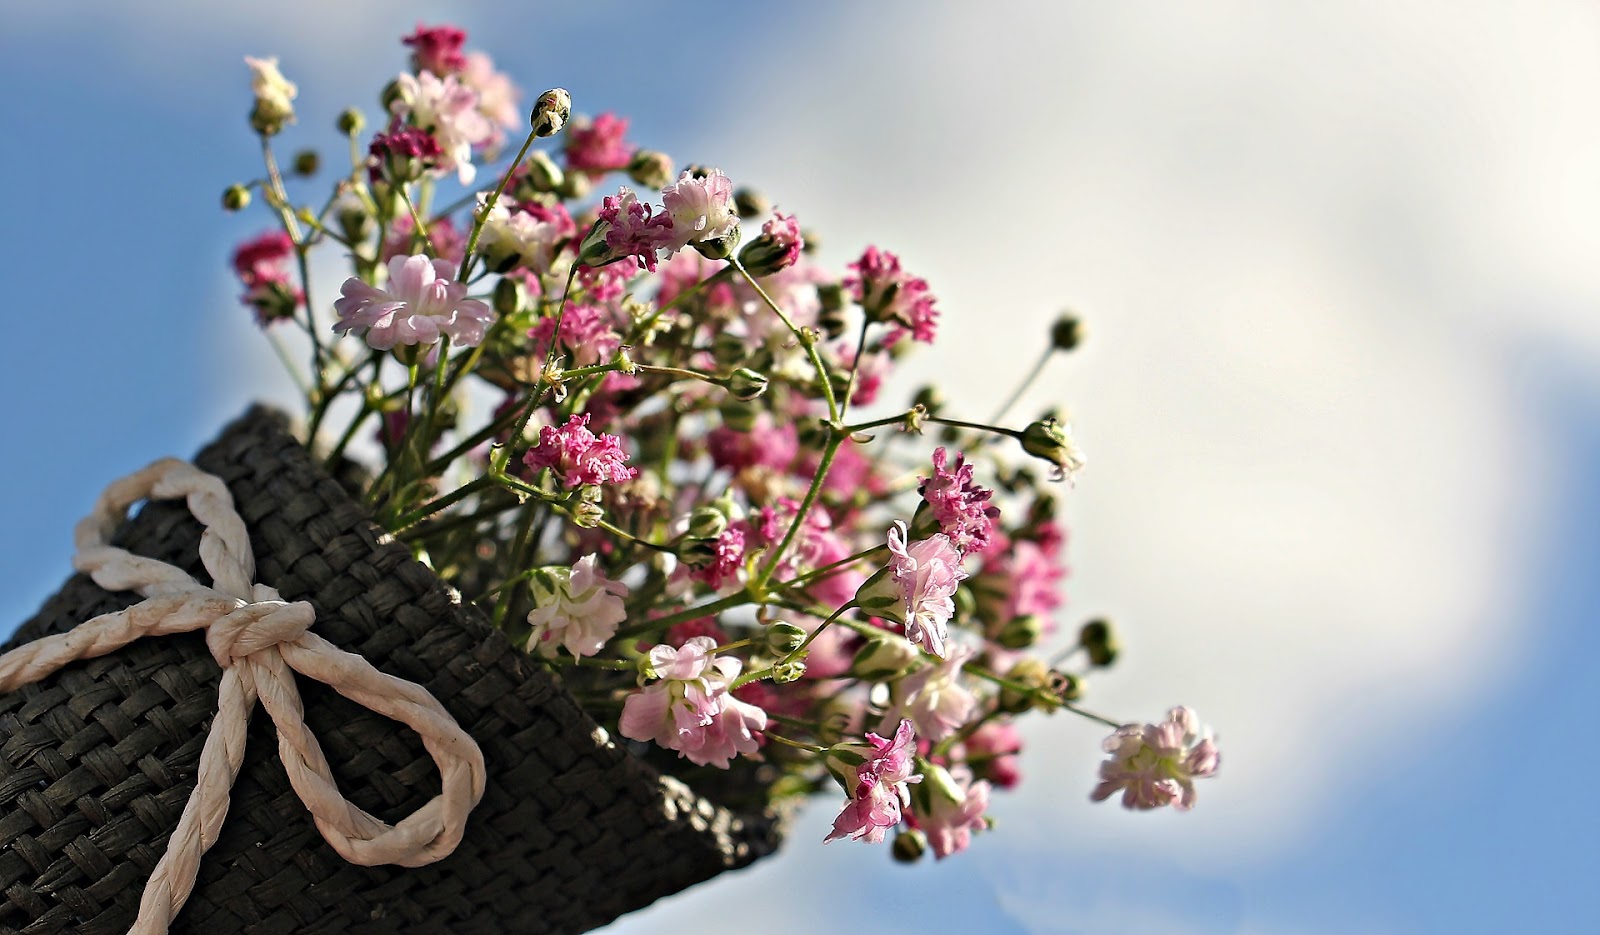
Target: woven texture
<point>97,761</point>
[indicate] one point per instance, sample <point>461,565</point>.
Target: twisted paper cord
<point>257,638</point>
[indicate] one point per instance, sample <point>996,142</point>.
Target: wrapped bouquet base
<point>98,760</point>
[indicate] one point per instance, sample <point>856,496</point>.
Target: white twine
<point>257,638</point>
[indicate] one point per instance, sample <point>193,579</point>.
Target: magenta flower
<point>580,457</point>
<point>700,207</point>
<point>262,259</point>
<point>577,607</point>
<point>888,293</point>
<point>933,698</point>
<point>784,232</point>
<point>689,708</point>
<point>631,229</point>
<point>727,560</point>
<point>948,810</point>
<point>1156,764</point>
<point>597,146</point>
<point>918,587</point>
<point>402,154</point>
<point>877,790</point>
<point>959,505</point>
<point>768,443</point>
<point>437,49</point>
<point>422,302</point>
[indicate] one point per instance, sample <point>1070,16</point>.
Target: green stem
<point>1027,381</point>
<point>483,214</point>
<point>765,574</point>
<point>444,502</point>
<point>736,599</point>
<point>806,340</point>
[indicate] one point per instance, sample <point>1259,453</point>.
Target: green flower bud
<point>880,596</point>
<point>1029,672</point>
<point>351,122</point>
<point>785,672</point>
<point>1066,333</point>
<point>929,398</point>
<point>746,384</point>
<point>707,522</point>
<point>550,112</point>
<point>739,415</point>
<point>698,171</point>
<point>388,96</point>
<point>1066,686</point>
<point>650,168</point>
<point>306,162</point>
<point>721,248</point>
<point>1099,640</point>
<point>697,553</point>
<point>543,176</point>
<point>883,657</point>
<point>909,846</point>
<point>575,186</point>
<point>1050,441</point>
<point>810,240</point>
<point>784,638</point>
<point>1021,632</point>
<point>750,203</point>
<point>356,224</point>
<point>728,349</point>
<point>587,512</point>
<point>235,198</point>
<point>509,296</point>
<point>831,316</point>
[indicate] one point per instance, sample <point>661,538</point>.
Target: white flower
<point>933,697</point>
<point>530,235</point>
<point>274,93</point>
<point>578,608</point>
<point>701,208</point>
<point>448,110</point>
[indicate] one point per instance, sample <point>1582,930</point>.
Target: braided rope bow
<point>257,638</point>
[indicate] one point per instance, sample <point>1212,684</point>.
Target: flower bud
<point>1021,632</point>
<point>575,186</point>
<point>746,384</point>
<point>750,203</point>
<point>728,348</point>
<point>909,846</point>
<point>541,176</point>
<point>707,522</point>
<point>811,240</point>
<point>698,171</point>
<point>509,296</point>
<point>1051,441</point>
<point>1029,672</point>
<point>930,398</point>
<point>720,248</point>
<point>739,415</point>
<point>1066,333</point>
<point>1100,642</point>
<point>356,224</point>
<point>830,316</point>
<point>551,112</point>
<point>784,638</point>
<point>1066,686</point>
<point>351,122</point>
<point>785,672</point>
<point>697,553</point>
<point>587,512</point>
<point>883,657</point>
<point>880,596</point>
<point>306,163</point>
<point>235,198</point>
<point>651,168</point>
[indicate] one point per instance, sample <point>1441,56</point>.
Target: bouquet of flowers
<point>624,421</point>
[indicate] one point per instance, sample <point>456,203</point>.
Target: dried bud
<point>306,163</point>
<point>1099,640</point>
<point>786,672</point>
<point>746,384</point>
<point>651,168</point>
<point>1021,632</point>
<point>1051,441</point>
<point>750,203</point>
<point>909,846</point>
<point>351,122</point>
<point>551,112</point>
<point>707,522</point>
<point>1066,333</point>
<point>883,657</point>
<point>235,198</point>
<point>784,638</point>
<point>509,296</point>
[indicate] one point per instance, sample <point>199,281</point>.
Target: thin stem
<point>419,226</point>
<point>855,368</point>
<point>765,574</point>
<point>504,455</point>
<point>482,215</point>
<point>444,502</point>
<point>798,745</point>
<point>831,567</point>
<point>736,599</point>
<point>1027,381</point>
<point>806,340</point>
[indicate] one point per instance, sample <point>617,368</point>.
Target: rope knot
<point>257,626</point>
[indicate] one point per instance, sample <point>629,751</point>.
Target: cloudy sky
<point>1340,400</point>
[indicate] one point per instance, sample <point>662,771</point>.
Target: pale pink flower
<point>948,809</point>
<point>448,110</point>
<point>701,208</point>
<point>437,49</point>
<point>689,708</point>
<point>918,587</point>
<point>877,789</point>
<point>586,335</point>
<point>886,292</point>
<point>1156,764</point>
<point>449,241</point>
<point>959,505</point>
<point>421,302</point>
<point>597,146</point>
<point>579,456</point>
<point>992,750</point>
<point>577,607</point>
<point>497,96</point>
<point>784,232</point>
<point>529,235</point>
<point>630,229</point>
<point>933,697</point>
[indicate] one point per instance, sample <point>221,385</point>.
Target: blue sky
<point>1339,401</point>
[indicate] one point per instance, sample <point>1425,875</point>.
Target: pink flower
<point>579,456</point>
<point>447,109</point>
<point>918,587</point>
<point>888,293</point>
<point>960,506</point>
<point>437,49</point>
<point>262,259</point>
<point>689,708</point>
<point>933,697</point>
<point>402,154</point>
<point>948,810</point>
<point>530,235</point>
<point>597,146</point>
<point>1156,764</point>
<point>727,561</point>
<point>1033,576</point>
<point>631,229</point>
<point>701,208</point>
<point>577,607</point>
<point>877,790</point>
<point>422,302</point>
<point>784,232</point>
<point>449,241</point>
<point>497,96</point>
<point>586,334</point>
<point>768,443</point>
<point>991,751</point>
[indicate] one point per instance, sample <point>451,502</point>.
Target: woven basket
<point>97,761</point>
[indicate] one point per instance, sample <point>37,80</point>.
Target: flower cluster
<point>634,438</point>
